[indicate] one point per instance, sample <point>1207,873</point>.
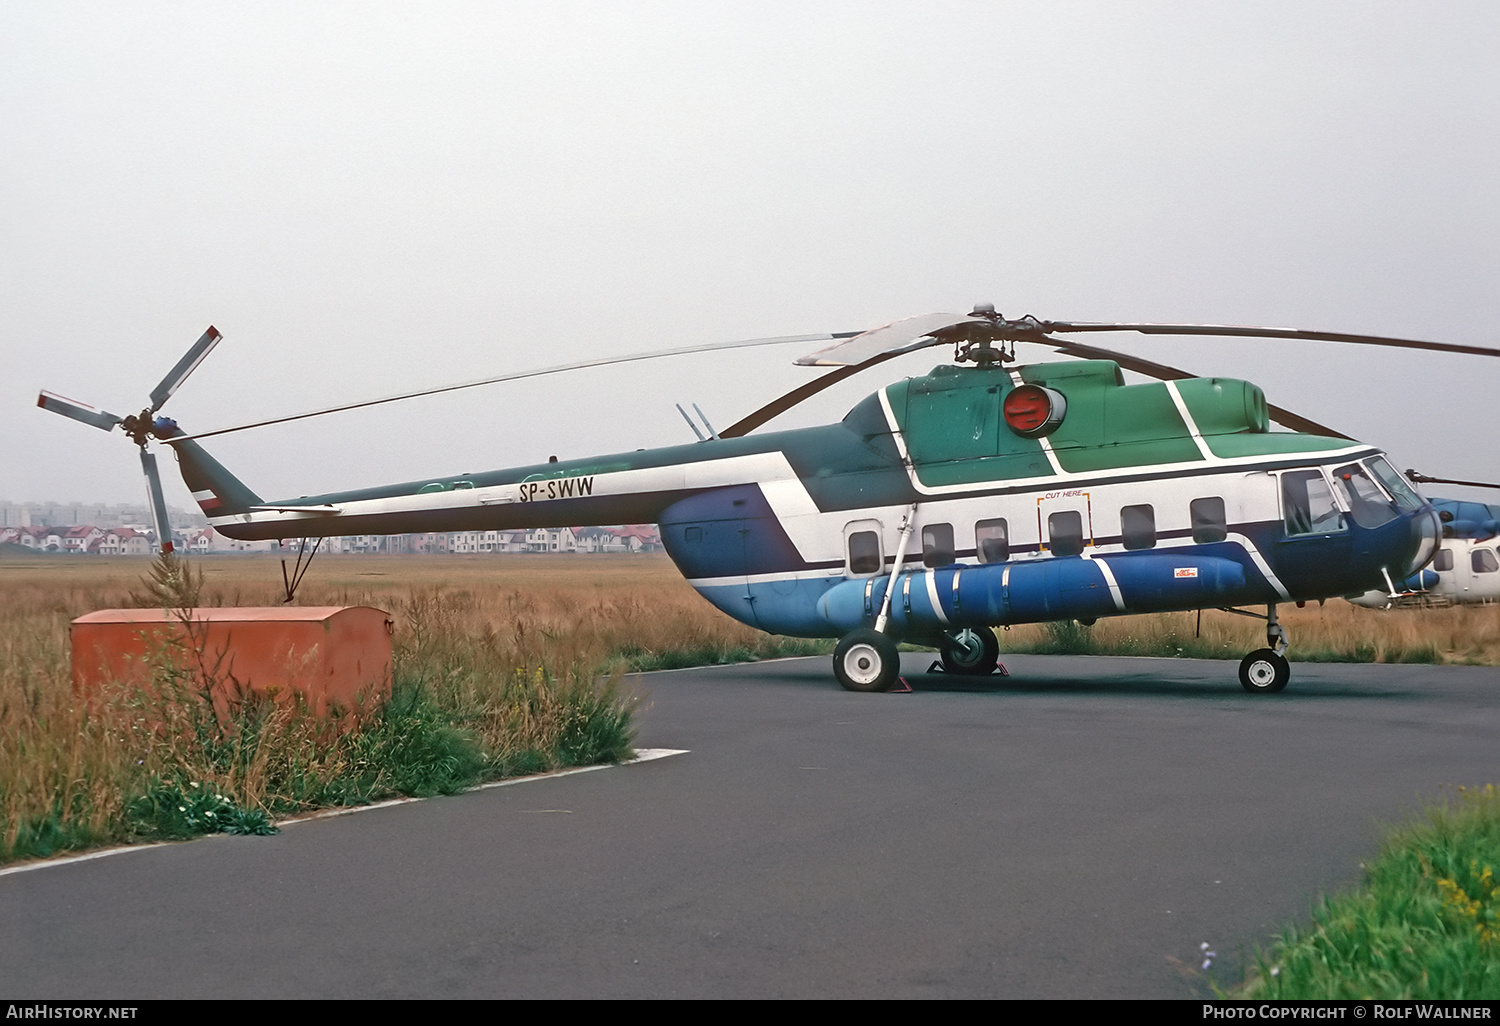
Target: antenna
<point>690,421</point>
<point>704,419</point>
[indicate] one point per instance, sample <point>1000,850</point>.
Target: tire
<point>866,660</point>
<point>971,653</point>
<point>1264,672</point>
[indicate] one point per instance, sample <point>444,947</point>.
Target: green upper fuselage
<point>952,423</point>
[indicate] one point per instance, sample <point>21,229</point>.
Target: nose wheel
<point>1266,670</point>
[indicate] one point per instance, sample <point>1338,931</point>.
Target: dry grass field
<point>561,610</point>
<point>593,608</point>
<point>503,653</point>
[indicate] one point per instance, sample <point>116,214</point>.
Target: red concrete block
<point>330,654</point>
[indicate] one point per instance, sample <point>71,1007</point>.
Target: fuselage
<point>1168,495</point>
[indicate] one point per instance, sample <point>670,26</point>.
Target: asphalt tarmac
<point>1078,829</point>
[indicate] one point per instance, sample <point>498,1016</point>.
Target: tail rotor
<point>143,427</point>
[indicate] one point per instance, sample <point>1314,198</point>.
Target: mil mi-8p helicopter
<point>979,495</point>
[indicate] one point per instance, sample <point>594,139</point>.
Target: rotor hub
<point>975,341</point>
<point>139,427</point>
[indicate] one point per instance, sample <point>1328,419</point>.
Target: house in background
<point>124,541</point>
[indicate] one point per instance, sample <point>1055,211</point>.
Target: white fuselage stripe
<point>1109,579</point>
<point>932,596</point>
<point>1187,418</point>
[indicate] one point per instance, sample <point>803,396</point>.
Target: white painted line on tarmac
<point>641,755</point>
<point>106,853</point>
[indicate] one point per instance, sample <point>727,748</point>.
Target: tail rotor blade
<point>158,503</point>
<point>185,366</point>
<point>101,419</point>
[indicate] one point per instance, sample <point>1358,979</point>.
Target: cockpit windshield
<point>1367,503</point>
<point>1405,495</point>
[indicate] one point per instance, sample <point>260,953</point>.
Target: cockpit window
<point>1307,504</point>
<point>1367,503</point>
<point>1406,496</point>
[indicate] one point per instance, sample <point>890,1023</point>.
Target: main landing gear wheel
<point>970,653</point>
<point>866,660</point>
<point>1264,672</point>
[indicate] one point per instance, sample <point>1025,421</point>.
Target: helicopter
<point>1465,570</point>
<point>983,494</point>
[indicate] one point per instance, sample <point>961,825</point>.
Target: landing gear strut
<point>1266,670</point>
<point>868,660</point>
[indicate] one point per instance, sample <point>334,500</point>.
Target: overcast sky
<point>366,198</point>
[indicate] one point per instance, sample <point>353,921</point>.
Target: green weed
<point>1422,926</point>
<point>170,809</point>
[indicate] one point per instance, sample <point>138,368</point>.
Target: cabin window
<point>1138,527</point>
<point>1483,561</point>
<point>1443,560</point>
<point>937,545</point>
<point>1307,504</point>
<point>992,539</point>
<point>1209,522</point>
<point>1065,530</point>
<point>1368,506</point>
<point>436,486</point>
<point>462,484</point>
<point>692,534</point>
<point>864,553</point>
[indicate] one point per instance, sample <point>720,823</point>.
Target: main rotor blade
<point>1286,418</point>
<point>185,366</point>
<point>1242,331</point>
<point>777,407</point>
<point>101,419</point>
<point>1424,479</point>
<point>904,336</point>
<point>158,503</point>
<point>604,361</point>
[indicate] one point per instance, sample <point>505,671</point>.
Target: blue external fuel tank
<point>1031,591</point>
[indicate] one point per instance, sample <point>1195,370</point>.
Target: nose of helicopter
<point>1425,532</point>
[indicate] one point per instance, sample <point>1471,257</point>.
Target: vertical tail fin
<point>217,492</point>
